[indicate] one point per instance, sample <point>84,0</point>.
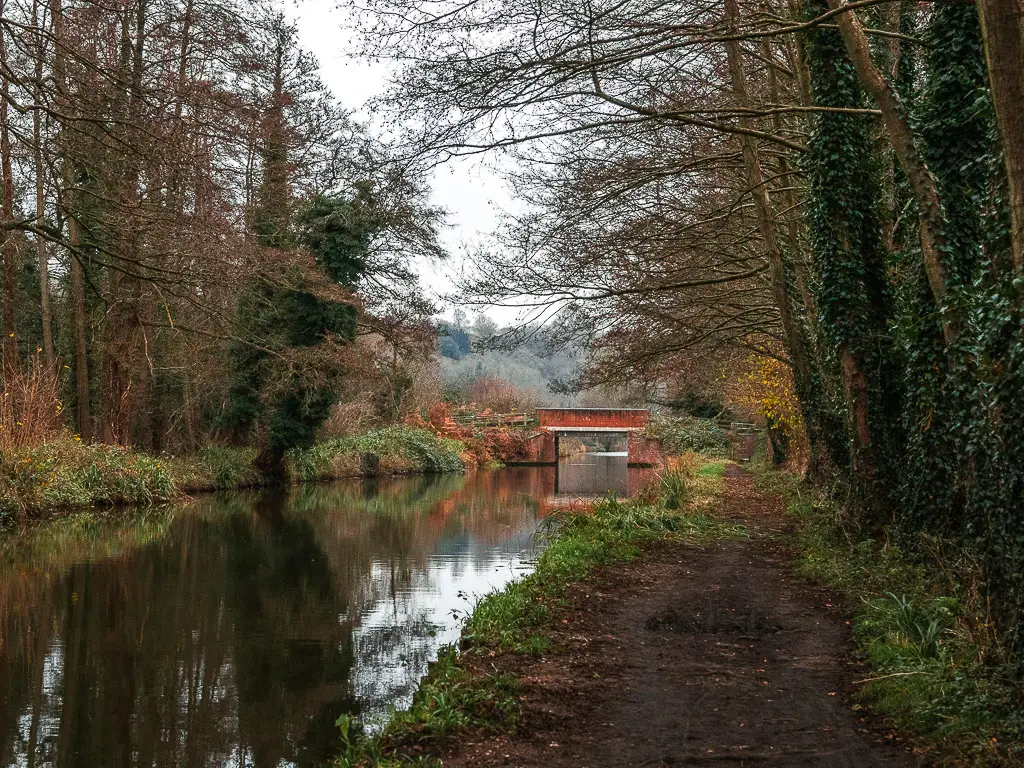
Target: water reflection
<point>593,474</point>
<point>589,475</point>
<point>235,632</point>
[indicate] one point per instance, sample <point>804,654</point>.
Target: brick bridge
<point>554,422</point>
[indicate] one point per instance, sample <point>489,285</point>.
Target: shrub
<point>680,435</point>
<point>30,409</point>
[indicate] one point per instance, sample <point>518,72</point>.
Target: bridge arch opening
<point>630,423</point>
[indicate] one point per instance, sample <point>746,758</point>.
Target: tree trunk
<point>858,399</point>
<point>83,411</point>
<point>799,258</point>
<point>1002,25</point>
<point>125,381</point>
<point>83,414</point>
<point>796,340</point>
<point>797,56</point>
<point>7,244</point>
<point>926,193</point>
<point>41,254</point>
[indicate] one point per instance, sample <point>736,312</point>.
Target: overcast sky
<point>473,194</point>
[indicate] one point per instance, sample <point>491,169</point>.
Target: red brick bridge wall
<point>621,418</point>
<point>643,451</point>
<point>540,449</point>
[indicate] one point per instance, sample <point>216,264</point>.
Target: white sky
<point>473,194</point>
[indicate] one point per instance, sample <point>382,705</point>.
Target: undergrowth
<point>935,667</point>
<point>65,473</point>
<point>681,434</point>
<point>395,449</point>
<point>455,695</point>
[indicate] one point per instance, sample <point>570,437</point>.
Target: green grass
<point>933,665</point>
<point>216,467</point>
<point>712,469</point>
<point>518,618</point>
<point>448,702</point>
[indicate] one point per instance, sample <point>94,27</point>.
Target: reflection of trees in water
<point>401,608</point>
<point>230,637</point>
<point>177,652</point>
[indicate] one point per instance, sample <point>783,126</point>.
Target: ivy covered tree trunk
<point>1003,26</point>
<point>897,122</point>
<point>854,301</point>
<point>956,125</point>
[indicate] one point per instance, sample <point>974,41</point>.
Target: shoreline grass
<point>65,475</point>
<point>934,666</point>
<point>452,698</point>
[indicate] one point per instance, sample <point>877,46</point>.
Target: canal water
<point>234,630</point>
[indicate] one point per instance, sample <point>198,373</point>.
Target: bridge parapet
<point>542,445</point>
<point>626,419</point>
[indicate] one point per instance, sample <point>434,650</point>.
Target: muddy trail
<point>713,656</point>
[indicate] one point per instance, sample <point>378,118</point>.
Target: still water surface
<point>234,630</point>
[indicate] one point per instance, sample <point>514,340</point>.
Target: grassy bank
<point>933,665</point>
<point>66,474</point>
<point>457,695</point>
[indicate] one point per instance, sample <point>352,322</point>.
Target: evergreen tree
<point>287,385</point>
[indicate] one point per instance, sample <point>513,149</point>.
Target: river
<point>234,629</point>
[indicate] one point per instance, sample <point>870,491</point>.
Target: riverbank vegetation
<point>67,473</point>
<point>934,664</point>
<point>459,694</point>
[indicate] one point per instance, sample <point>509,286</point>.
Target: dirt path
<point>712,656</point>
